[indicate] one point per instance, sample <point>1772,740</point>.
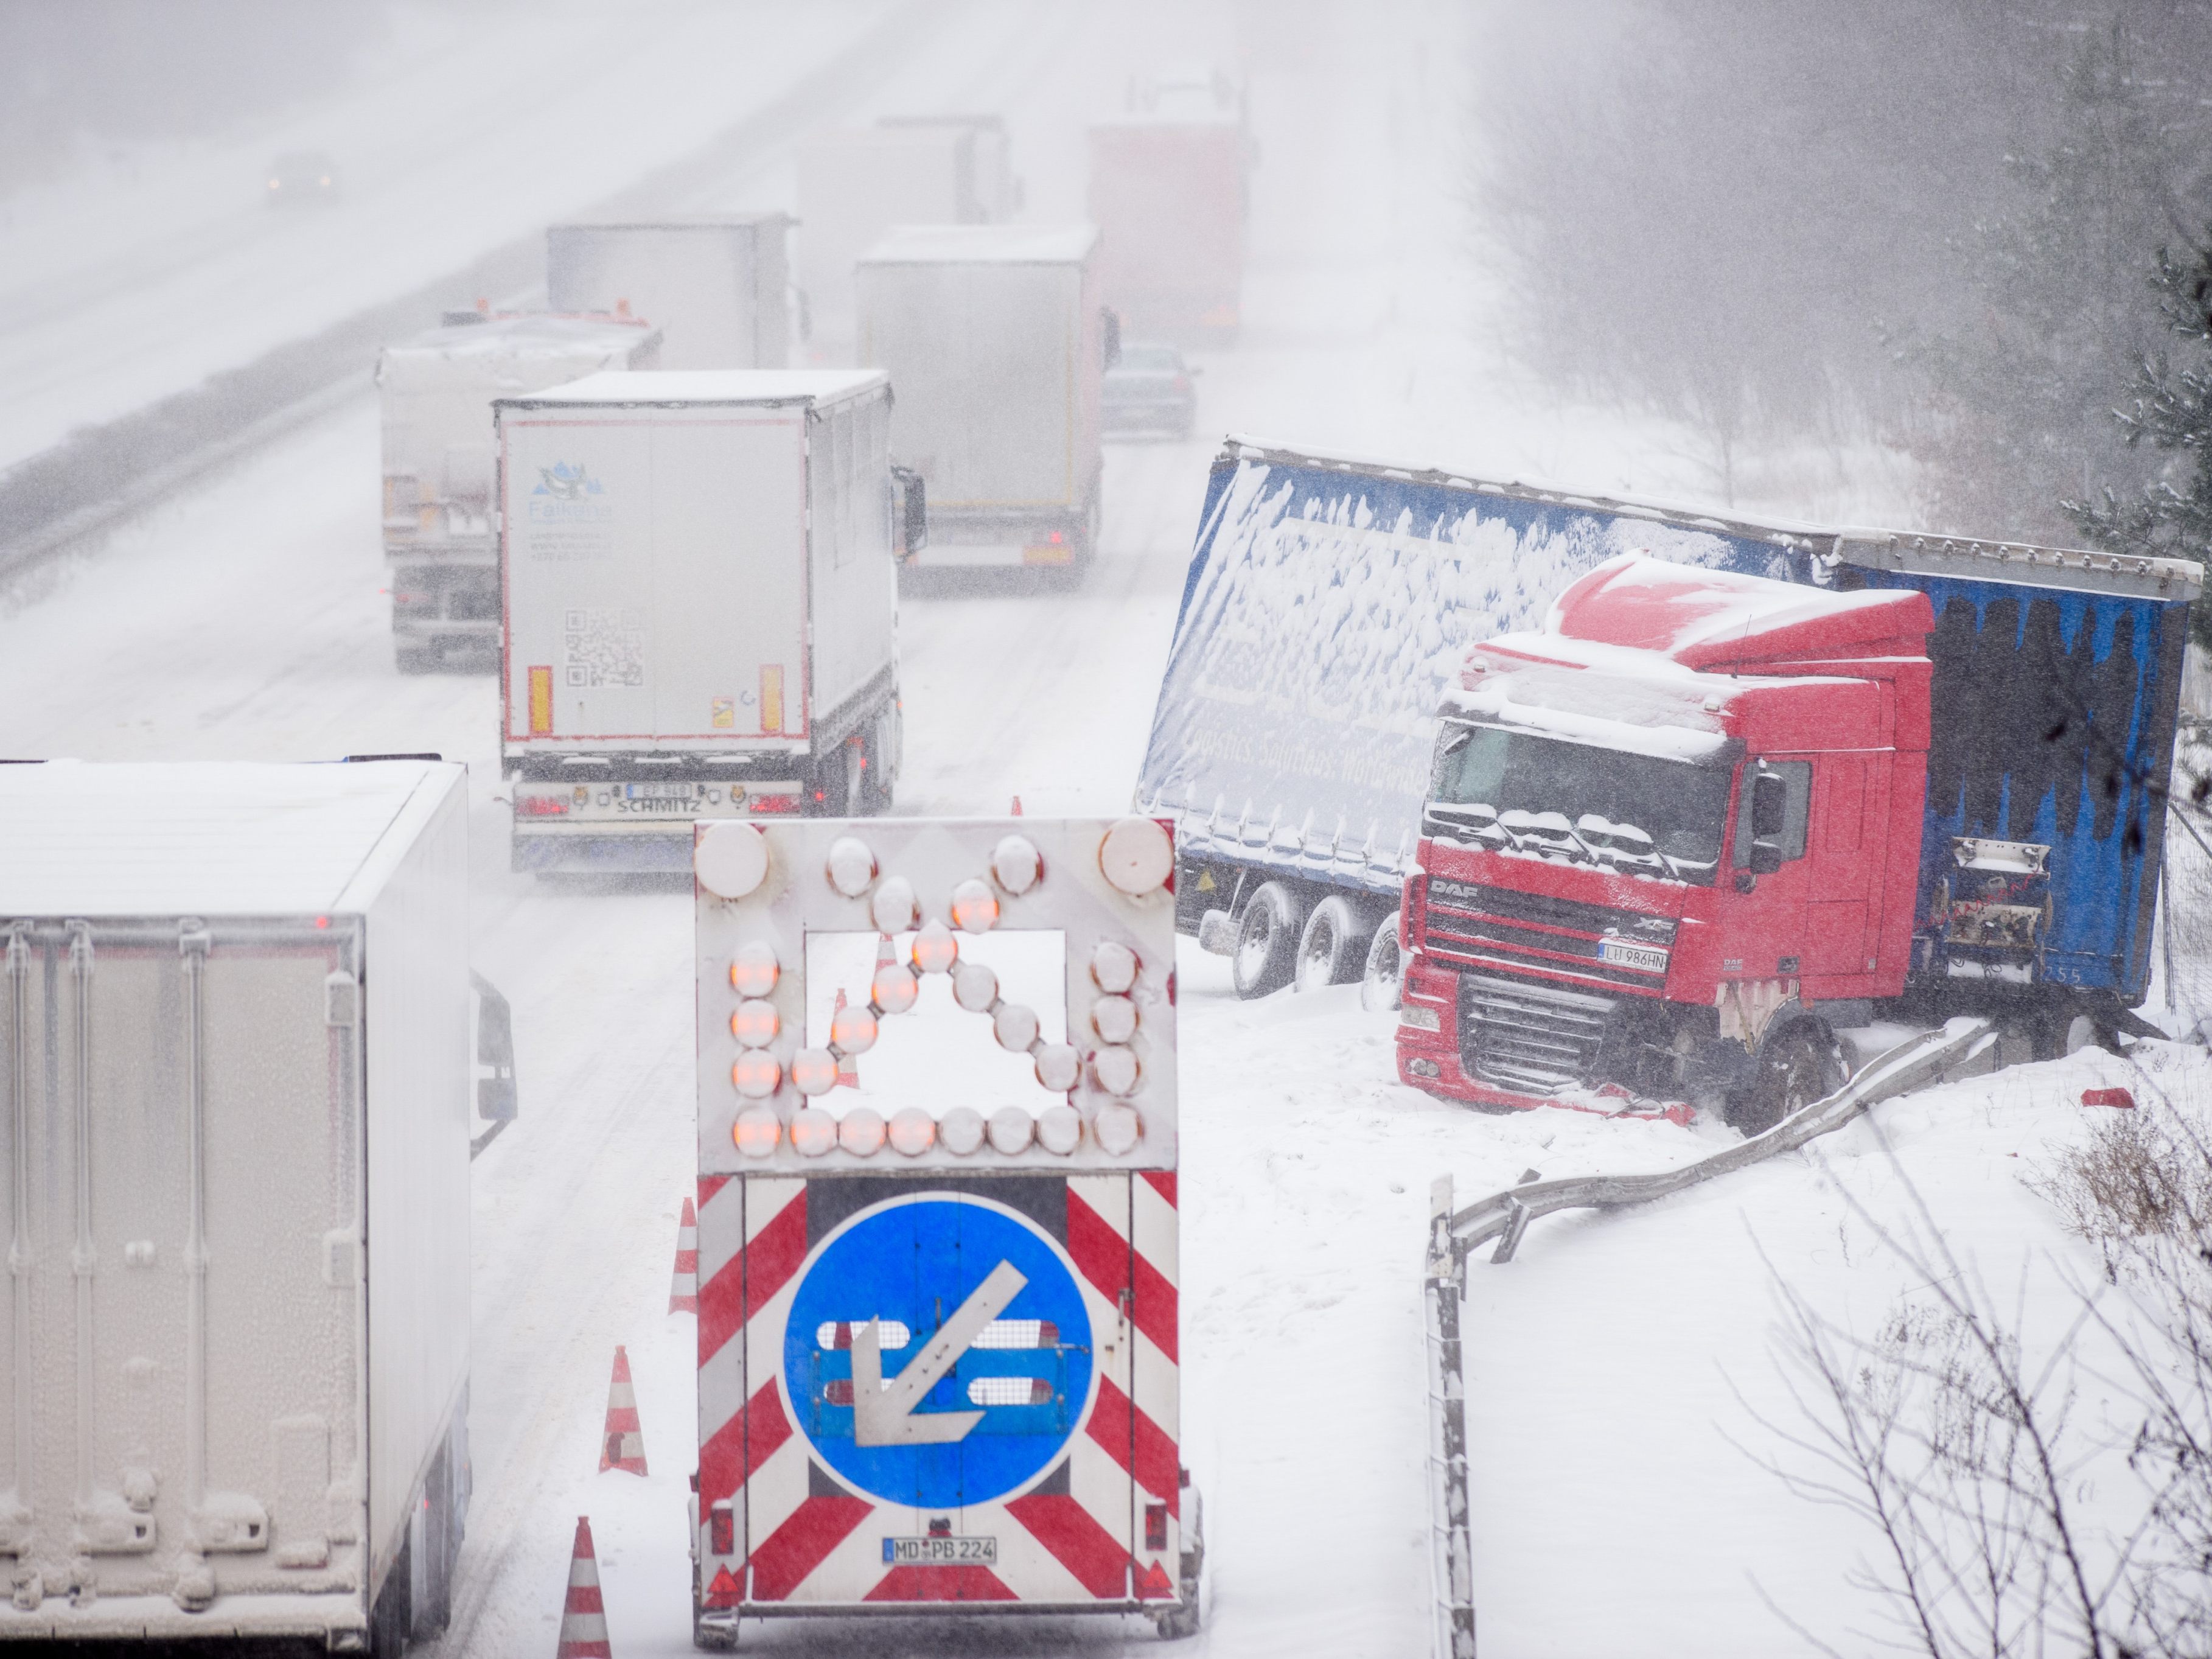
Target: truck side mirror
<point>495,1097</point>
<point>1765,858</point>
<point>913,513</point>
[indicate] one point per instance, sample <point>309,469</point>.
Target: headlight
<point>1419,1018</point>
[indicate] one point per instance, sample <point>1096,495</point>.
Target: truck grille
<point>1548,911</point>
<point>1535,1039</point>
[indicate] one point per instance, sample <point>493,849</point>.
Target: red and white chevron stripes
<point>1101,1526</point>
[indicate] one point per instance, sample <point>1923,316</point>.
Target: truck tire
<point>1795,1067</point>
<point>394,1612</point>
<point>1266,951</point>
<point>1382,985</point>
<point>1332,945</point>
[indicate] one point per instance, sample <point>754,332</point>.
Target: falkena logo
<point>567,494</point>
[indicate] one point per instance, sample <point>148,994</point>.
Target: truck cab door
<point>1769,873</point>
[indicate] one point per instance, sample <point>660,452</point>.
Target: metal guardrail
<point>1455,1234</point>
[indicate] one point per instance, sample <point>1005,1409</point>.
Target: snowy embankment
<point>158,267</point>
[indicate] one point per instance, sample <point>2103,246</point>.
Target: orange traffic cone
<point>623,1446</point>
<point>584,1614</point>
<point>1017,806</point>
<point>848,1070</point>
<point>886,954</point>
<point>683,1288</point>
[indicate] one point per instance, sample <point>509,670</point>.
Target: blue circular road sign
<point>939,1352</point>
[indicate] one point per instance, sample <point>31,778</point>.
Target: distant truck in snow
<point>234,1081</point>
<point>701,590</point>
<point>1659,827</point>
<point>1168,193</point>
<point>854,185</point>
<point>995,339</point>
<point>717,289</point>
<point>436,392</point>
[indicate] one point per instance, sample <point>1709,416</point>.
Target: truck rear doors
<point>655,576</point>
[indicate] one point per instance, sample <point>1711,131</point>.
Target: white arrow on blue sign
<point>938,1351</point>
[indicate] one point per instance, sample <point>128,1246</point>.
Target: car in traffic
<point>302,175</point>
<point>1148,391</point>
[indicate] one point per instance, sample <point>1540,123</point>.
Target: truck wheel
<point>1796,1066</point>
<point>1330,945</point>
<point>1382,986</point>
<point>1267,941</point>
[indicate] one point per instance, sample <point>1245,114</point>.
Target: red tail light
<point>1156,1525</point>
<point>721,1529</point>
<point>540,806</point>
<point>774,802</point>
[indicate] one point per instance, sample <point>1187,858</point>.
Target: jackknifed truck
<point>440,541</point>
<point>699,571</point>
<point>234,1087</point>
<point>995,338</point>
<point>1658,812</point>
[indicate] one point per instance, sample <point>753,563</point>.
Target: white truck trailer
<point>996,341</point>
<point>702,607</point>
<point>235,1082</point>
<point>717,289</point>
<point>436,391</point>
<point>855,184</point>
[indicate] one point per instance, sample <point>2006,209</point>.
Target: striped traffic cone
<point>1017,806</point>
<point>848,1070</point>
<point>683,1288</point>
<point>584,1614</point>
<point>622,1445</point>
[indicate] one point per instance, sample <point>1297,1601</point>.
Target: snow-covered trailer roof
<point>474,354</point>
<point>208,839</point>
<point>1020,244</point>
<point>671,388</point>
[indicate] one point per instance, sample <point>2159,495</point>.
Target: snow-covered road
<point>246,620</point>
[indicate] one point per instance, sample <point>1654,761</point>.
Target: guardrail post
<point>1451,1556</point>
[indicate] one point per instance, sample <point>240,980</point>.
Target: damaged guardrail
<point>1455,1234</point>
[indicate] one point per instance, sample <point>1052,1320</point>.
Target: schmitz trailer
<point>701,608</point>
<point>715,288</point>
<point>937,1229</point>
<point>235,1079</point>
<point>995,339</point>
<point>1169,197</point>
<point>440,462</point>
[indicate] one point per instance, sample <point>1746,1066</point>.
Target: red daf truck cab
<point>1666,836</point>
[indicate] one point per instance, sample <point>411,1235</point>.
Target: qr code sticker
<point>604,646</point>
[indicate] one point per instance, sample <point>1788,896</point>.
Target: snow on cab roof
<point>1050,245</point>
<point>81,838</point>
<point>705,385</point>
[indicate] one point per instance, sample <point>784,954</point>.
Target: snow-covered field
<point>1612,1513</point>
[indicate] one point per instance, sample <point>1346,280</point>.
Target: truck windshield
<point>1516,791</point>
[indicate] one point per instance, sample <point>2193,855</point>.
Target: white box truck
<point>994,336</point>
<point>436,391</point>
<point>855,184</point>
<point>234,1080</point>
<point>702,607</point>
<point>715,288</point>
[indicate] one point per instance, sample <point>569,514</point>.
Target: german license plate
<point>1648,957</point>
<point>657,792</point>
<point>939,1552</point>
